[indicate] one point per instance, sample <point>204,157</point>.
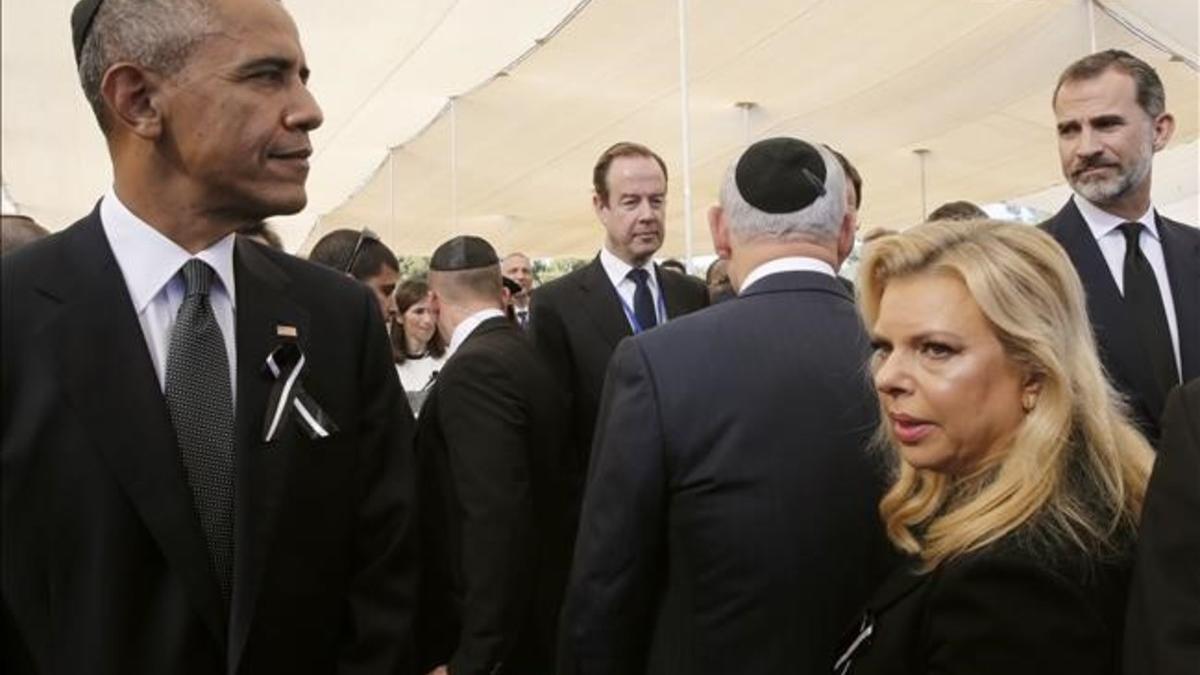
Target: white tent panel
<point>968,81</point>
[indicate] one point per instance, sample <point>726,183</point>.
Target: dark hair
<point>1150,94</point>
<point>959,210</point>
<point>260,228</point>
<point>336,249</point>
<point>851,175</point>
<point>408,294</point>
<point>622,149</point>
<point>673,264</point>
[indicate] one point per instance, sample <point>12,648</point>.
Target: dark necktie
<point>1145,305</point>
<point>643,299</point>
<point>201,405</point>
<point>522,317</point>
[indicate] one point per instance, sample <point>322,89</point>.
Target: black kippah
<point>780,175</point>
<point>463,253</point>
<point>81,23</point>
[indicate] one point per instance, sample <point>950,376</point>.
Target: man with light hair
<point>516,266</point>
<point>206,452</point>
<point>740,537</point>
<point>1139,269</point>
<point>498,486</point>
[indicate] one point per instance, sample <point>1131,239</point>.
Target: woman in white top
<point>416,345</point>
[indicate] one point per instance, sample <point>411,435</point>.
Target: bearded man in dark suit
<point>578,319</point>
<point>496,482</point>
<point>1141,271</point>
<point>206,453</point>
<point>737,535</point>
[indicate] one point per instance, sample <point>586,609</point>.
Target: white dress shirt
<point>787,264</point>
<point>618,273</point>
<point>150,264</point>
<point>1105,228</point>
<point>468,326</point>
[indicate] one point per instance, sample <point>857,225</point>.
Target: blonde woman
<point>1018,478</point>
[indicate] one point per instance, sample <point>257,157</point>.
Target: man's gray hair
<point>818,222</point>
<point>158,35</point>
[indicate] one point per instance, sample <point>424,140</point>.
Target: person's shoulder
<point>685,284</point>
<point>566,285</point>
<point>312,281</point>
<point>1066,217</point>
<point>1189,232</point>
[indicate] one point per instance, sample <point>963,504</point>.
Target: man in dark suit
<point>1162,630</point>
<point>206,452</point>
<point>737,534</point>
<point>496,482</point>
<point>1141,271</point>
<point>578,319</point>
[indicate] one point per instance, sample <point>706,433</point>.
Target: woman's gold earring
<point>1028,401</point>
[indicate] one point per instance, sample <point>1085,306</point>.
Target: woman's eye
<point>937,350</point>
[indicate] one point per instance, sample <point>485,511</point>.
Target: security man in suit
<point>206,454</point>
<point>736,536</point>
<point>578,319</point>
<point>496,482</point>
<point>1141,271</point>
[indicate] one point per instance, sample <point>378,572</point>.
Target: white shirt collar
<point>149,260</point>
<point>618,270</point>
<point>1101,222</point>
<point>787,264</point>
<point>468,326</point>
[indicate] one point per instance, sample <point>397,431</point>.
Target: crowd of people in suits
<point>983,456</point>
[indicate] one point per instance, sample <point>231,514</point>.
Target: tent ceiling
<point>969,80</point>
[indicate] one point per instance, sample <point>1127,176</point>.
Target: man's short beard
<point>1111,190</point>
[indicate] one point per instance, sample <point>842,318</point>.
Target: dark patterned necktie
<point>1145,305</point>
<point>643,300</point>
<point>201,404</point>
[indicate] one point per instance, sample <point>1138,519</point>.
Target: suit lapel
<point>1182,256</point>
<point>109,378</point>
<point>603,304</point>
<point>262,306</point>
<point>1115,334</point>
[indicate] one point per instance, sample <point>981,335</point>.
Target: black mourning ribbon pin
<point>288,397</point>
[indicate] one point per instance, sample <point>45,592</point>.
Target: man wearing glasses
<point>363,256</point>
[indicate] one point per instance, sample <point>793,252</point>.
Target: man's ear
<point>133,98</point>
<point>718,226</point>
<point>598,205</point>
<point>845,240</point>
<point>1164,128</point>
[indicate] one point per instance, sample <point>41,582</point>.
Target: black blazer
<point>1117,337</point>
<point>1163,626</point>
<point>497,486</point>
<point>104,564</point>
<point>576,322</point>
<point>729,523</point>
<point>1005,609</point>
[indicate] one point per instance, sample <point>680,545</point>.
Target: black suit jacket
<point>1163,626</point>
<point>576,322</point>
<point>1008,608</point>
<point>497,524</point>
<point>729,522</point>
<point>105,569</point>
<point>1117,337</point>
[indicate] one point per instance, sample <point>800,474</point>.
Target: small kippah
<point>463,253</point>
<point>81,23</point>
<point>781,175</point>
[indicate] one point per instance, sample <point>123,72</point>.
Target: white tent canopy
<point>539,88</point>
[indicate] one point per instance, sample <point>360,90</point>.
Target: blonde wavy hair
<point>1075,469</point>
